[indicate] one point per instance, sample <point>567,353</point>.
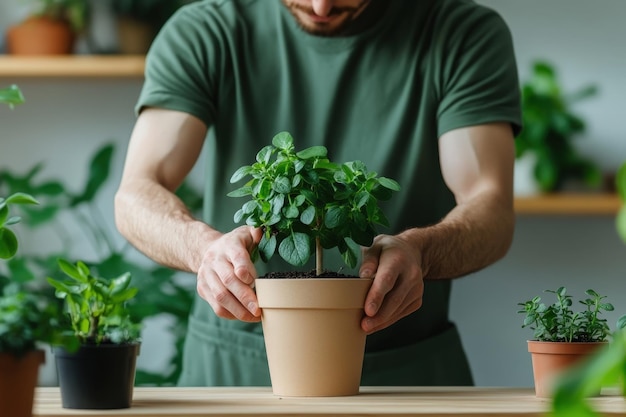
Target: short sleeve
<point>478,75</point>
<point>178,74</point>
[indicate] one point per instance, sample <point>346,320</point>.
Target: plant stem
<point>319,256</point>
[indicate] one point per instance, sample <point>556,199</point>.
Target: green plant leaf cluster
<point>74,12</point>
<point>549,130</point>
<point>97,306</point>
<point>558,322</point>
<point>304,202</point>
<point>11,95</point>
<point>160,292</point>
<point>26,320</point>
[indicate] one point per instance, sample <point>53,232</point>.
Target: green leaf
<point>8,244</point>
<point>389,183</point>
<point>308,215</point>
<point>4,214</point>
<point>349,256</point>
<point>334,217</point>
<point>241,173</point>
<point>282,185</point>
<point>264,155</point>
<point>267,247</point>
<point>240,192</point>
<point>11,95</point>
<point>313,152</point>
<point>21,198</point>
<point>70,270</point>
<point>99,168</point>
<point>295,249</point>
<point>283,140</point>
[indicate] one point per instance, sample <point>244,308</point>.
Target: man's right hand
<point>226,275</point>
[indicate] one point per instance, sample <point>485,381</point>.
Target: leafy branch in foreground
<point>305,203</point>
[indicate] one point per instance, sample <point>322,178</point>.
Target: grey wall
<point>65,121</point>
<point>585,39</point>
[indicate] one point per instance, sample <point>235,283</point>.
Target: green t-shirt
<point>382,95</point>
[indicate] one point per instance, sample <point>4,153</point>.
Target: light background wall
<point>66,120</point>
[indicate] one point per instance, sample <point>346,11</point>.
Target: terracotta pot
<point>313,336</point>
<point>18,378</point>
<point>40,36</point>
<point>550,359</point>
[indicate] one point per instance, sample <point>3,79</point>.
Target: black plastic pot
<point>97,376</point>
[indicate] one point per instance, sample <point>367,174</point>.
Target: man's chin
<point>332,28</point>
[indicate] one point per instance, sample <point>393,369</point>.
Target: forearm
<point>157,223</point>
<point>473,235</point>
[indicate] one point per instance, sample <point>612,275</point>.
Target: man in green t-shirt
<point>424,92</point>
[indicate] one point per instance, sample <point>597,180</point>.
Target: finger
<point>383,283</point>
<point>373,324</point>
<point>369,261</point>
<point>226,305</point>
<point>239,255</point>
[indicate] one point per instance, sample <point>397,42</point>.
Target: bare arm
<point>163,148</point>
<point>477,165</point>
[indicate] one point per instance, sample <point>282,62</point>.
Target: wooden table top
<point>371,401</point>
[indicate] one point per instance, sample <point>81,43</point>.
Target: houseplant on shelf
<point>563,337</point>
<point>138,21</point>
<point>605,368</point>
<point>51,29</point>
<point>304,203</point>
<point>100,374</point>
<point>25,322</point>
<point>550,128</point>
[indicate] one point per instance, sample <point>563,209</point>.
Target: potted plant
<point>304,203</point>
<point>563,337</point>
<point>138,21</point>
<point>50,30</point>
<point>607,366</point>
<point>100,374</point>
<point>550,128</point>
<point>25,322</point>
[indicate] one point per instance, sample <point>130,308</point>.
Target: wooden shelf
<point>88,66</point>
<point>132,66</point>
<point>568,204</point>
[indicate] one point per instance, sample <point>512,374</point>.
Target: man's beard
<point>349,15</point>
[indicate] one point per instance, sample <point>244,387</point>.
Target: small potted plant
<point>25,322</point>
<point>305,204</point>
<point>50,30</point>
<point>563,337</point>
<point>546,144</point>
<point>138,21</point>
<point>100,374</point>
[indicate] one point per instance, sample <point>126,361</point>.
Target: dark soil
<point>304,274</point>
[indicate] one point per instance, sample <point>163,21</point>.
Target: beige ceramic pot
<point>313,336</point>
<point>549,359</point>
